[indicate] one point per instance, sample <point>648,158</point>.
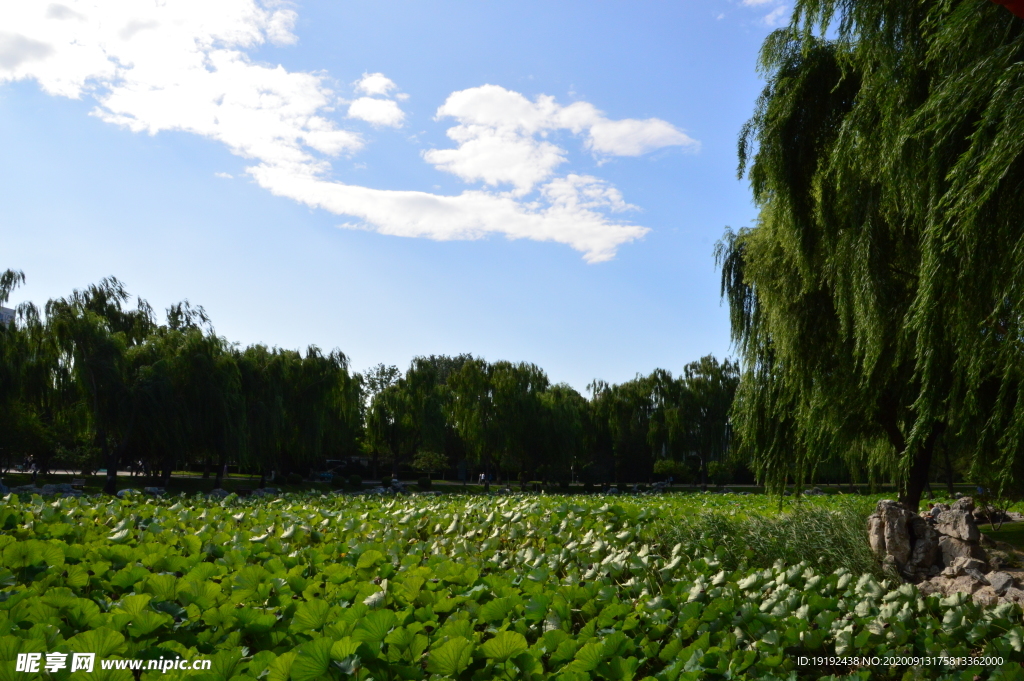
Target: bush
<point>424,483</point>
<point>294,479</point>
<point>338,481</point>
<point>719,473</point>
<point>355,482</point>
<point>588,487</point>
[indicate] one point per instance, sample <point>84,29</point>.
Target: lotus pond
<point>574,588</point>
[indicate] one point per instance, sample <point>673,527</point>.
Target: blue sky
<point>531,181</point>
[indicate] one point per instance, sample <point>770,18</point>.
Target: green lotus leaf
<point>313,660</point>
<point>451,658</point>
<point>504,645</point>
<point>310,615</point>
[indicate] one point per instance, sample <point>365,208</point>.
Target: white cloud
<point>377,111</point>
<point>226,176</point>
<point>571,219</point>
<point>497,136</point>
<point>155,65</point>
<point>757,3</point>
<point>497,156</point>
<point>777,17</point>
<point>375,84</point>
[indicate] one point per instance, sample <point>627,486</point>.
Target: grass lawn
<point>1011,533</point>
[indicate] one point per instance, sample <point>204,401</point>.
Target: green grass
<point>832,536</point>
<point>1011,533</point>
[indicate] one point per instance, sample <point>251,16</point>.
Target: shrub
<point>719,473</point>
<point>294,479</point>
<point>355,482</point>
<point>338,481</point>
<point>424,483</point>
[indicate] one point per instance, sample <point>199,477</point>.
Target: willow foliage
<point>877,302</point>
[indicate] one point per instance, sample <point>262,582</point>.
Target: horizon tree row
<point>93,381</point>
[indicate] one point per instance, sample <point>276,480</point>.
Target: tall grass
<point>827,538</point>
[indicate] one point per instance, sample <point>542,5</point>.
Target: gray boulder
<point>924,548</point>
<point>958,523</point>
<point>953,548</point>
<point>219,493</point>
<point>961,566</point>
<point>1000,581</point>
<point>888,533</point>
<point>964,504</point>
<point>265,492</point>
<point>154,491</point>
<point>1013,595</point>
<point>127,492</point>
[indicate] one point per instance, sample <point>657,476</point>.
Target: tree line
<point>92,381</point>
<point>877,304</point>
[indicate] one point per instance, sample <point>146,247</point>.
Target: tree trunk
<point>949,469</point>
<point>263,478</point>
<point>218,482</point>
<point>168,469</point>
<point>703,474</point>
<point>110,487</point>
<point>917,477</point>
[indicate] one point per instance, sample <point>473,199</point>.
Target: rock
<point>219,493</point>
<point>936,585</point>
<point>887,529</point>
<point>815,491</point>
<point>966,584</point>
<point>74,493</point>
<point>958,523</point>
<point>924,548</point>
<point>726,490</point>
<point>1013,595</point>
<point>953,548</point>
<point>4,490</point>
<point>127,492</point>
<point>987,541</point>
<point>876,534</point>
<point>1000,581</point>
<point>964,504</point>
<point>985,596</point>
<point>154,491</point>
<point>962,565</point>
<point>613,490</point>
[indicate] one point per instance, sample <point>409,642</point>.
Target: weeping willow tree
<point>878,303</point>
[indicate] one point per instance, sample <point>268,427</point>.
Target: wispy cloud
<point>777,17</point>
<point>153,66</point>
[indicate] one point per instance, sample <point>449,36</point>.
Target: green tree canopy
<point>877,301</point>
